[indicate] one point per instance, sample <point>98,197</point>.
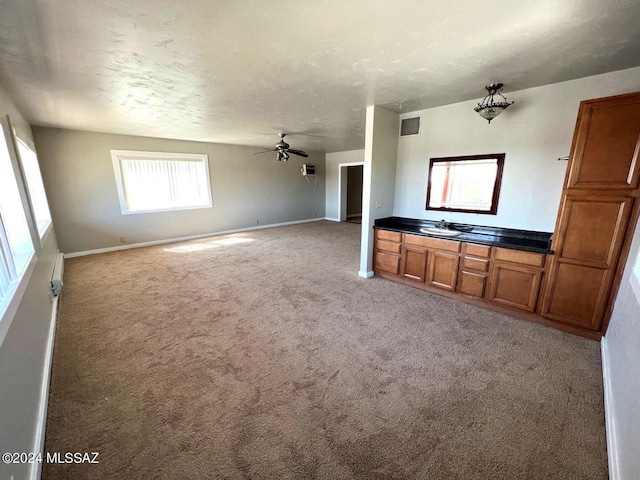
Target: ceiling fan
<point>282,150</point>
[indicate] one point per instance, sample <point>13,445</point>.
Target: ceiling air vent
<point>410,126</point>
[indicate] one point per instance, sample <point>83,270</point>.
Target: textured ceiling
<point>241,71</point>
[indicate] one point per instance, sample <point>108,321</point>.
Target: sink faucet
<point>443,225</point>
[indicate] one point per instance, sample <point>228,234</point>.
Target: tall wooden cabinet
<point>597,215</point>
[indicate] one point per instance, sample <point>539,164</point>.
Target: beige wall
<point>533,132</point>
<point>380,153</point>
<point>333,160</point>
<point>621,362</point>
<point>24,348</point>
<point>247,189</point>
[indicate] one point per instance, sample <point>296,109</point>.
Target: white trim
<point>634,278</point>
<point>609,414</point>
<point>6,318</point>
<point>38,445</point>
<point>332,219</point>
<point>342,188</point>
<point>190,237</point>
<point>117,156</point>
<point>365,274</point>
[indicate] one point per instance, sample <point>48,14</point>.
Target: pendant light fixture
<point>490,109</point>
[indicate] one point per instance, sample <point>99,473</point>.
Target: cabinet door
<point>443,269</point>
<point>591,231</point>
<point>514,285</point>
<point>386,262</point>
<point>604,153</point>
<point>414,263</point>
<point>471,283</point>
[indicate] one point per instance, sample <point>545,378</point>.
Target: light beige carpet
<point>263,355</point>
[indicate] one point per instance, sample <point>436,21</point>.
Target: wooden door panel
<point>414,263</point>
<point>577,294</point>
<point>390,247</point>
<point>443,270</point>
<point>386,262</point>
<point>515,286</point>
<point>605,147</point>
<point>471,283</point>
<point>388,235</point>
<point>519,256</point>
<point>483,251</point>
<point>475,264</point>
<point>592,228</point>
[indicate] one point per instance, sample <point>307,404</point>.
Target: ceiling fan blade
<point>265,151</point>
<point>300,153</point>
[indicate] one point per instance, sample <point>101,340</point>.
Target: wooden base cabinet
<point>429,260</point>
<point>386,254</point>
<point>474,268</point>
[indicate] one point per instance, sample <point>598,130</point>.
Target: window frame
<point>118,155</point>
<point>496,187</point>
<point>17,284</point>
<point>19,136</point>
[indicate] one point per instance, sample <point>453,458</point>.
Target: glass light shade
<point>491,110</point>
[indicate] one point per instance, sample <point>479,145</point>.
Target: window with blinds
<point>156,182</point>
<point>16,245</point>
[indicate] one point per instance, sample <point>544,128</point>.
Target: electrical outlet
<point>379,204</point>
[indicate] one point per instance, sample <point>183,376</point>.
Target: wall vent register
<point>410,126</point>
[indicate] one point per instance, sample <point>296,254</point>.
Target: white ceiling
<point>241,71</point>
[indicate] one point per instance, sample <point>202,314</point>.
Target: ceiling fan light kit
<point>489,108</point>
<point>282,150</point>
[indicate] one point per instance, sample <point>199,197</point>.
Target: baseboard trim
<point>38,444</point>
<point>609,414</point>
<point>190,237</point>
<point>332,219</point>
<point>365,274</point>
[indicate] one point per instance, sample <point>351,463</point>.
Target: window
<point>16,246</point>
<point>156,182</point>
<point>35,186</point>
<point>465,184</point>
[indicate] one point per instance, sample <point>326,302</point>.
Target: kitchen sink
<point>445,232</point>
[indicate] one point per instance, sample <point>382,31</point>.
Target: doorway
<point>350,192</point>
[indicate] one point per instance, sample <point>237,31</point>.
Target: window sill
<point>634,279</point>
<point>6,317</point>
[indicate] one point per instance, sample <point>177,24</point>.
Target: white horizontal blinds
<point>164,184</point>
<point>16,247</point>
<point>35,186</point>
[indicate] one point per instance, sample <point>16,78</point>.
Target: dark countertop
<point>539,242</point>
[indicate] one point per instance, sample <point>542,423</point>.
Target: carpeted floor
<point>263,355</point>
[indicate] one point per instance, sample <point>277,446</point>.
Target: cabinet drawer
<point>388,246</point>
<point>483,251</point>
<point>387,235</point>
<point>518,256</point>
<point>470,263</point>
<point>386,262</point>
<point>433,243</point>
